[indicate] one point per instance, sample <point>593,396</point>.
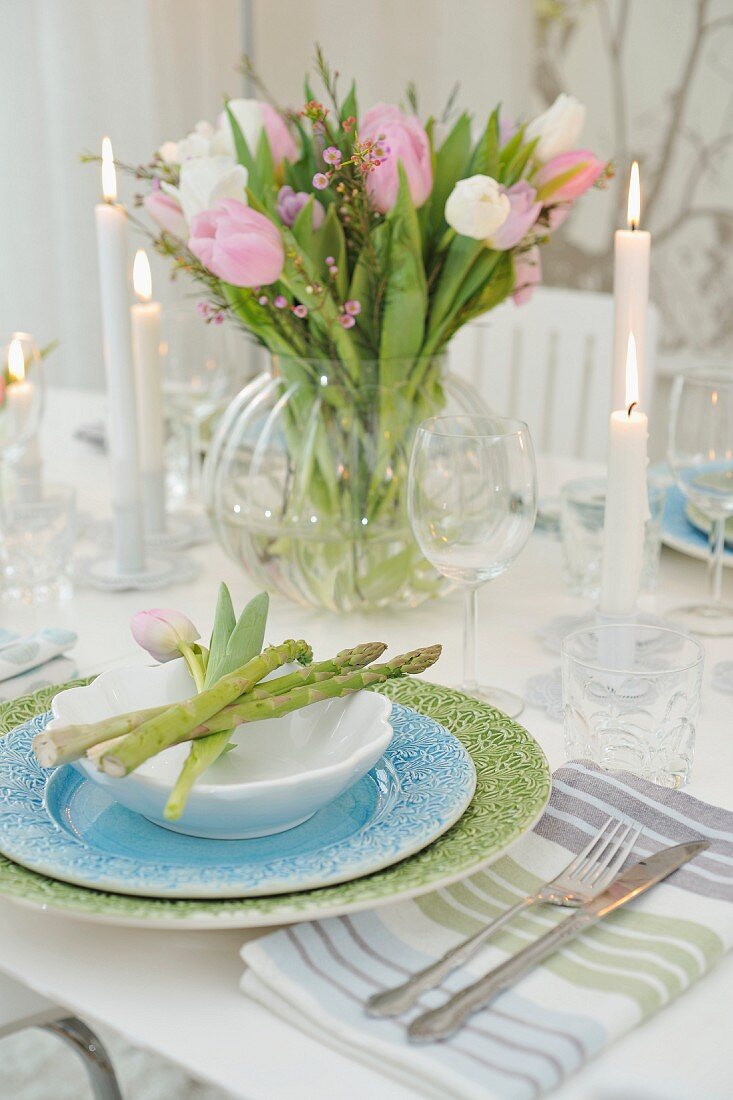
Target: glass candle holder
<point>36,543</point>
<point>631,695</point>
<point>582,512</point>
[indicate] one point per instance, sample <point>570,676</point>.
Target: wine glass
<point>472,502</point>
<point>700,454</point>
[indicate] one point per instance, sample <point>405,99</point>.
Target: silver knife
<point>442,1022</point>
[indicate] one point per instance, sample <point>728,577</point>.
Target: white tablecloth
<point>177,993</point>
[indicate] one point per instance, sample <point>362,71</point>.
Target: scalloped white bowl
<point>280,773</point>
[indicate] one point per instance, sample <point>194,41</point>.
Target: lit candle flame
<point>633,210</point>
<point>109,176</point>
<point>16,361</point>
<point>632,375</point>
<point>142,280</point>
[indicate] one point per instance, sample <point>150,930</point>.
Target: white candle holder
<point>160,570</point>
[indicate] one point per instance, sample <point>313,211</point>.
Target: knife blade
<point>440,1023</point>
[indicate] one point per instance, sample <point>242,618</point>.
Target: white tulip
<point>248,113</point>
<point>476,207</point>
<point>558,128</point>
<point>206,180</point>
<point>195,144</point>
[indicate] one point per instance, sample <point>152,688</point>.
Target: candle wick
<point>634,226</point>
<point>632,406</point>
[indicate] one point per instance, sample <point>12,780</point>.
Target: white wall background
<point>72,71</point>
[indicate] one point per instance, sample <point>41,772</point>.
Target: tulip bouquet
<point>353,244</point>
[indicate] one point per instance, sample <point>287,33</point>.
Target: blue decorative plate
<point>62,825</point>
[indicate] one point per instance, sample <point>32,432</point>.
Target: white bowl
<point>281,772</point>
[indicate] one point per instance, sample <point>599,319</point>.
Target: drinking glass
<point>36,543</point>
<point>582,512</point>
<point>700,454</point>
<point>472,503</point>
<point>631,697</point>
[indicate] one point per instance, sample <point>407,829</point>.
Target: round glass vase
<point>305,480</point>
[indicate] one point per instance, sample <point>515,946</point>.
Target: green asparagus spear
<point>274,706</point>
<point>178,720</point>
<point>60,746</point>
<point>206,750</point>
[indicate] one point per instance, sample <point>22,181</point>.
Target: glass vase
<point>305,480</point>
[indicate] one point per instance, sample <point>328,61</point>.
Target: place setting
<point>275,655</point>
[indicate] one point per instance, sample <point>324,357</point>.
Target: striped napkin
<point>33,662</point>
<point>630,965</point>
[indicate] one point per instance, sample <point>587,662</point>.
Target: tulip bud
<point>162,632</point>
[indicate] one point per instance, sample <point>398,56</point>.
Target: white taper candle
<point>111,222</point>
<point>627,501</point>
<point>632,248</point>
<point>145,315</point>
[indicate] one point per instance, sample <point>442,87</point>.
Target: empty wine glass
<point>700,454</point>
<point>472,500</point>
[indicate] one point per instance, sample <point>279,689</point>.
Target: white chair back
<point>549,362</point>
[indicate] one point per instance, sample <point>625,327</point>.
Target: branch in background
<point>678,99</point>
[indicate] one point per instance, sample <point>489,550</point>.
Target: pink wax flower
<point>352,307</point>
<point>320,181</point>
<point>523,213</point>
<point>237,244</point>
<point>167,213</point>
<point>290,203</point>
<point>407,141</point>
<point>346,320</point>
<point>527,275</point>
<point>300,311</point>
<point>162,632</point>
<point>567,176</point>
<point>332,155</point>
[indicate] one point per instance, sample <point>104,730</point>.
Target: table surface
<point>177,992</point>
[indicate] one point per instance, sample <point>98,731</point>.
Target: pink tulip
<point>282,144</point>
<point>402,138</point>
<point>162,632</point>
<point>523,213</point>
<point>527,274</point>
<point>567,176</point>
<point>237,244</point>
<point>167,213</point>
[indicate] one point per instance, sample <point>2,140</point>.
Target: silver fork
<point>583,878</point>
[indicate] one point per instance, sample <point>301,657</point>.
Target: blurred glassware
<point>631,695</point>
<point>21,394</point>
<point>36,543</point>
<point>700,455</point>
<point>582,511</point>
<point>472,503</point>
<point>204,366</point>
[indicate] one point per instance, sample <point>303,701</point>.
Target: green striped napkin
<point>630,965</point>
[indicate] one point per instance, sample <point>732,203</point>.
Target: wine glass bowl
<point>700,455</point>
<point>472,504</point>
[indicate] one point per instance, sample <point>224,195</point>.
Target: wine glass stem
<point>470,624</point>
<point>715,566</point>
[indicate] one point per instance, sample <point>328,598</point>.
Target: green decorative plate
<point>512,789</point>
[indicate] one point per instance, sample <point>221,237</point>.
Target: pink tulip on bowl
<point>162,631</point>
<point>566,177</point>
<point>167,213</point>
<point>237,244</point>
<point>403,139</point>
<point>527,275</point>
